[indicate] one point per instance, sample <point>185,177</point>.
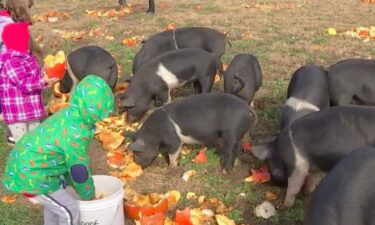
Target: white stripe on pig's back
<point>299,104</point>
<point>184,139</point>
<point>168,77</point>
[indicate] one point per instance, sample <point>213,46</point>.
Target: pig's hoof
<point>224,171</point>
<point>288,203</point>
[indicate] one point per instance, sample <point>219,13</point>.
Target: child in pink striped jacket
<point>21,82</point>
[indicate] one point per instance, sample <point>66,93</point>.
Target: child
<point>21,82</point>
<point>55,153</point>
<point>4,20</point>
<point>19,10</point>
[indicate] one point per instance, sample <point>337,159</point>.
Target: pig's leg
<point>121,2</point>
<point>206,83</point>
<point>296,180</point>
<point>151,6</point>
<point>312,181</point>
<point>174,156</point>
<point>230,149</point>
<point>197,87</point>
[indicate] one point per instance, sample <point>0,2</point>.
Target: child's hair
<point>19,9</point>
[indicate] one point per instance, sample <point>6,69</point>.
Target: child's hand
<point>49,80</point>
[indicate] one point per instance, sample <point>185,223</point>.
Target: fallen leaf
<point>171,26</point>
<point>270,195</point>
<point>265,210</point>
<point>173,197</point>
<point>223,220</point>
<point>331,31</point>
<point>188,174</point>
<point>111,14</point>
<point>9,199</point>
<point>270,5</point>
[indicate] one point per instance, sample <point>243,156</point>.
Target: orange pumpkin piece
<point>131,171</point>
<point>9,199</point>
<point>246,146</point>
<point>135,211</point>
<point>259,176</point>
<point>173,197</point>
<point>115,159</point>
<point>171,26</point>
<point>57,107</point>
<point>183,217</point>
<point>201,157</point>
<point>129,42</point>
<point>55,65</point>
<point>157,219</point>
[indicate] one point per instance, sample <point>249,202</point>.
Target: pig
<point>89,60</point>
<point>217,119</point>
<point>151,5</point>
<point>346,195</point>
<point>243,77</point>
<point>186,37</point>
<point>168,71</point>
<point>352,81</point>
<point>313,144</point>
<point>307,93</point>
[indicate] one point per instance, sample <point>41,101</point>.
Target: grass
<point>282,40</point>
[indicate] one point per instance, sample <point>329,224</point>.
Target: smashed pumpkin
<point>55,65</point>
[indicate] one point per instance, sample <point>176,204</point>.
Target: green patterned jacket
<point>58,146</point>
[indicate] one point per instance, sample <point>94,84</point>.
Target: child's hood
<point>93,98</point>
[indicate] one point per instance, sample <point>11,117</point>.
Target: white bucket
<point>108,210</point>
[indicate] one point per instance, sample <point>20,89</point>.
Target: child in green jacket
<point>54,153</point>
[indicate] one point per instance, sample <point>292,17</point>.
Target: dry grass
<point>282,39</point>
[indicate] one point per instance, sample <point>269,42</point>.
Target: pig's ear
<point>137,146</point>
<point>262,152</point>
<point>238,83</point>
<point>128,102</point>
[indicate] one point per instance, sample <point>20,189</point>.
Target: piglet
<point>352,81</point>
<point>186,37</point>
<point>243,77</point>
<point>89,60</point>
<point>213,119</point>
<point>307,93</point>
<point>346,196</point>
<point>313,144</point>
<point>168,71</point>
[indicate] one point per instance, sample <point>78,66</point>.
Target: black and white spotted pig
<point>307,93</point>
<point>203,38</point>
<point>346,196</point>
<point>168,71</point>
<point>352,81</point>
<point>216,119</point>
<point>151,5</point>
<point>243,77</point>
<point>314,144</point>
<point>86,61</point>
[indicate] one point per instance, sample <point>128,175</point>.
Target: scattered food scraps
<point>265,210</point>
<point>259,176</point>
<point>188,174</point>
